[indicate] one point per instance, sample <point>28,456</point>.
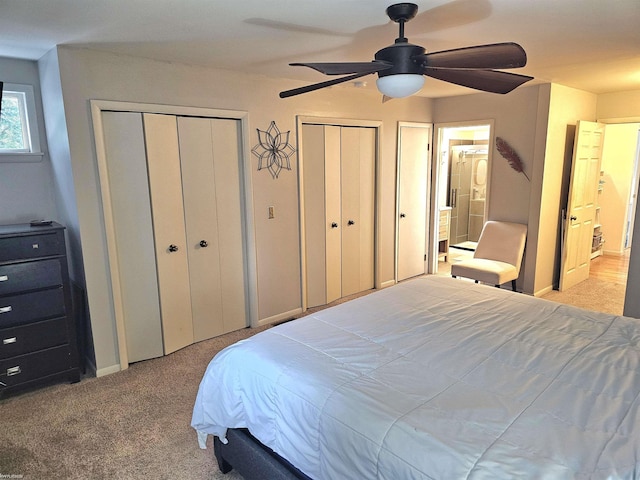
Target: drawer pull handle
<point>6,309</point>
<point>35,245</point>
<point>13,371</point>
<point>4,278</point>
<point>7,341</point>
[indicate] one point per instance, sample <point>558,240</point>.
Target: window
<point>18,125</point>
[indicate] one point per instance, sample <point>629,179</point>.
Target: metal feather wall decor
<point>511,155</point>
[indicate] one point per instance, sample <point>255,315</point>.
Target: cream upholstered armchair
<point>498,255</point>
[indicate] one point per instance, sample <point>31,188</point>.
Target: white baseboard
<point>388,283</point>
<point>544,291</point>
<point>278,318</point>
<point>107,370</point>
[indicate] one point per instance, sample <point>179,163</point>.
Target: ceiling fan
<point>401,67</point>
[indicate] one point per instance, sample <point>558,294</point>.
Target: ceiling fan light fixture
<point>400,85</point>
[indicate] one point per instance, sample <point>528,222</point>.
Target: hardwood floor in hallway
<point>611,268</point>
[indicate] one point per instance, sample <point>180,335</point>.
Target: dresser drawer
<point>17,370</point>
<point>29,307</point>
<point>31,246</point>
<point>35,336</point>
<point>20,277</point>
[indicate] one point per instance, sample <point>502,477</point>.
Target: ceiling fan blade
<point>343,68</point>
<point>496,55</point>
<point>317,86</point>
<point>486,80</point>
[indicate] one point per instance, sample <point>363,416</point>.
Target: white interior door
<point>338,177</point>
<point>357,154</point>
<point>201,221</point>
<point>129,187</point>
<point>227,154</point>
<point>333,213</point>
<point>314,219</point>
<point>414,166</point>
<point>209,157</point>
<point>583,191</point>
<point>163,163</point>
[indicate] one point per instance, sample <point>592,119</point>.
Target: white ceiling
<point>593,45</point>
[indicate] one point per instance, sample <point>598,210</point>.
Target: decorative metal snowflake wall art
<point>273,150</point>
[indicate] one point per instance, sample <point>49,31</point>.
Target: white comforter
<point>437,378</point>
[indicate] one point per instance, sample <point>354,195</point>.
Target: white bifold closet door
<point>176,191</point>
<point>338,176</point>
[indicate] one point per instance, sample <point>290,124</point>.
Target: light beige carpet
<point>593,294</point>
<point>133,424</point>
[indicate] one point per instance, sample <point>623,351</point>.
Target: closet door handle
<point>203,243</point>
<point>173,248</point>
<point>402,215</point>
<point>334,225</point>
<point>351,222</point>
<point>573,218</point>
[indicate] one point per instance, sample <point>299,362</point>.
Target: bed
<point>433,378</point>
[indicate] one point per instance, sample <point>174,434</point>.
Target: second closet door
<point>339,166</point>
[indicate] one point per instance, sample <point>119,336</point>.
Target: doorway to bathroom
<point>461,190</point>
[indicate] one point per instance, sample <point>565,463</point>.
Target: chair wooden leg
<point>513,285</point>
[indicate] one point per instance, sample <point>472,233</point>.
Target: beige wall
<point>26,192</point>
<point>515,119</point>
<point>87,75</point>
<point>537,121</point>
<point>618,107</point>
<point>521,118</point>
<point>566,106</point>
<point>618,159</point>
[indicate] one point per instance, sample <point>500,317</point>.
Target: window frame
<point>31,131</point>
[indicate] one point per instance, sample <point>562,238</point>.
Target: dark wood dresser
<point>37,332</point>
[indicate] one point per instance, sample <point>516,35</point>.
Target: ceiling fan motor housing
<point>401,56</point>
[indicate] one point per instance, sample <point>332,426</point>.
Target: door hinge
<point>425,257</point>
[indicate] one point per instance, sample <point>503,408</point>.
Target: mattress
<point>437,378</point>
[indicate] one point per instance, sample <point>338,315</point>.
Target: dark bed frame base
<point>251,459</point>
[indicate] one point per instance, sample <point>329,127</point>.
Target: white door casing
<point>581,207</point>
<point>124,187</point>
